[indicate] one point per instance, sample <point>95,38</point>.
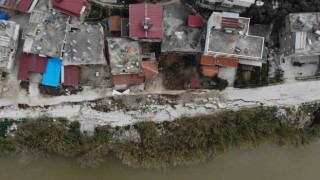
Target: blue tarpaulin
<point>4,16</point>
<point>108,23</point>
<point>52,75</point>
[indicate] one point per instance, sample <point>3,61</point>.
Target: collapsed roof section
<point>178,35</point>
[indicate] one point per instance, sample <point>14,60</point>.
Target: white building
<point>228,36</point>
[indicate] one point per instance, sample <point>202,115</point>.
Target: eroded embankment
<point>184,141</point>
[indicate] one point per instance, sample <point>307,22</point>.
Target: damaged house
<point>182,32</point>
<point>126,63</point>
<point>67,47</point>
<point>9,33</point>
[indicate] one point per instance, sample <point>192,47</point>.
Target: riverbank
<point>184,141</point>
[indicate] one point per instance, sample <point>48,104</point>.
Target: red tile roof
<point>196,21</point>
<point>210,71</point>
<point>219,61</point>
<point>152,13</point>
<point>24,5</point>
<point>127,79</point>
<point>71,7</point>
<point>31,63</point>
<point>149,68</point>
<point>115,23</point>
<point>71,75</point>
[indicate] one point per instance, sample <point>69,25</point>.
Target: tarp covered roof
<point>52,75</point>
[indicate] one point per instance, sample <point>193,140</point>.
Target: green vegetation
<point>185,141</point>
<point>192,140</point>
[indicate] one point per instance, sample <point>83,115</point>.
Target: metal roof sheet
<point>71,7</point>
<point>31,63</point>
<point>196,21</point>
<point>24,5</point>
<point>71,75</point>
<point>115,23</point>
<point>124,27</point>
<point>152,13</point>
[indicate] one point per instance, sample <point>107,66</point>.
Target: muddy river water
<point>258,164</point>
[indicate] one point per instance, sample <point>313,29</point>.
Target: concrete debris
<point>210,106</point>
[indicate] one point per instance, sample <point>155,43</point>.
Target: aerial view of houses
<point>64,46</point>
<point>156,83</point>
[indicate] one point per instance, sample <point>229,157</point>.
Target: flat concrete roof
<point>9,33</point>
<point>124,55</point>
<point>177,35</point>
<point>48,37</point>
<point>236,43</point>
<point>84,45</point>
<point>225,43</point>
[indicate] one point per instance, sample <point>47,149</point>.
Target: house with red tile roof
<point>76,8</point>
<point>219,61</point>
<point>211,65</point>
<point>149,68</point>
<point>145,21</point>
